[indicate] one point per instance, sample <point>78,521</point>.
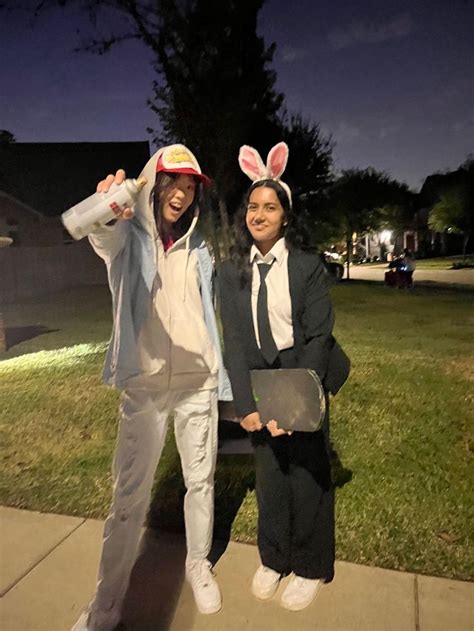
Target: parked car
<point>335,269</point>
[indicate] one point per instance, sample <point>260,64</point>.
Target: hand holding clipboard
<point>293,397</point>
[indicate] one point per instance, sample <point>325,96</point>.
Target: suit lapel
<point>295,278</point>
<point>245,312</point>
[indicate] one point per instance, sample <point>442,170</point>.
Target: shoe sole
<point>209,612</point>
<point>267,596</point>
<point>300,607</point>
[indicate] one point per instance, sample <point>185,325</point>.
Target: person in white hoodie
<point>165,357</point>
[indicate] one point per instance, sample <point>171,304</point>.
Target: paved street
<point>458,277</point>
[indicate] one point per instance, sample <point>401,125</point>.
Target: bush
<point>462,266</point>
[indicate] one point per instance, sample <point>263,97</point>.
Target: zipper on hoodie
<point>164,272</point>
<point>160,250</point>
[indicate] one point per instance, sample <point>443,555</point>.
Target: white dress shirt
<point>278,293</point>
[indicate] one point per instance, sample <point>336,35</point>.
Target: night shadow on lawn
<point>339,474</point>
<point>16,334</point>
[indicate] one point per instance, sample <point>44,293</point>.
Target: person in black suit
<point>295,494</point>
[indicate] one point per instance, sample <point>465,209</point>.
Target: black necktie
<point>267,343</point>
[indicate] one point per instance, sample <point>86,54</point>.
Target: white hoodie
<point>174,344</point>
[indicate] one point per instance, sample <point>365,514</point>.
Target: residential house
<point>39,181</point>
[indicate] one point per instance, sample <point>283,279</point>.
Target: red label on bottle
<point>115,208</point>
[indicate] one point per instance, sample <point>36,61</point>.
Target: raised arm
<point>108,240</point>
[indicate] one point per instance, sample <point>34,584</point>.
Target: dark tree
<point>357,198</point>
<point>218,92</point>
<point>214,89</point>
<point>6,137</point>
<point>309,173</point>
<point>454,211</point>
<point>450,198</point>
<point>310,165</point>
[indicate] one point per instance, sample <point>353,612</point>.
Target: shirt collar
<point>277,253</point>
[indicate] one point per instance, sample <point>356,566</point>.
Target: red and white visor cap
<point>179,159</point>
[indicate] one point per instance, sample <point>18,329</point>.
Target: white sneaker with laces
<point>300,592</point>
<point>205,588</point>
<point>265,582</point>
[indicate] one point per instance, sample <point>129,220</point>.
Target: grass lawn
<point>401,427</point>
<point>443,262</point>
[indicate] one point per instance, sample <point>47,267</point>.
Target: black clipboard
<point>294,397</point>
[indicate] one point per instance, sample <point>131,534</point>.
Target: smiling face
<point>265,218</point>
<point>175,199</point>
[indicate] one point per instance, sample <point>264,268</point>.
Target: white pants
<point>140,441</point>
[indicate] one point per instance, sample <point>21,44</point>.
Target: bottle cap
<point>140,183</point>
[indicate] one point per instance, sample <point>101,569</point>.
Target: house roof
<point>11,205</point>
<point>51,177</point>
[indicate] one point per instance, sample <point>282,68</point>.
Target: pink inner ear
<point>277,159</point>
<point>251,163</point>
<point>249,166</point>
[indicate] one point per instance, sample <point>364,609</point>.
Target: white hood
<point>143,206</point>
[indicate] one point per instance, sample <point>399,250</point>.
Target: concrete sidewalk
<point>49,563</point>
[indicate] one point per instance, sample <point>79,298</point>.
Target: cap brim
<point>186,171</point>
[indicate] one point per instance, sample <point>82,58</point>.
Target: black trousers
<point>295,499</point>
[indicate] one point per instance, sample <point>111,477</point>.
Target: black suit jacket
<point>313,321</point>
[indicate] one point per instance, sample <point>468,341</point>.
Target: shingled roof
<point>51,177</point>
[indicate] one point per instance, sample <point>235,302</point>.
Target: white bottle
<point>100,208</point>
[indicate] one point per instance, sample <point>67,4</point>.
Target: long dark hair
<point>294,233</point>
<point>163,180</point>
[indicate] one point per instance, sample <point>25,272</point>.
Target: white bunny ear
<point>277,159</point>
<point>251,163</point>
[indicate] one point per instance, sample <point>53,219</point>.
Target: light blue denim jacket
<point>132,274</point>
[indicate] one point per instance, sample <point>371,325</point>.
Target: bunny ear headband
<point>252,165</point>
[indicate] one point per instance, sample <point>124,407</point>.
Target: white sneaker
<point>205,588</point>
<point>300,592</point>
<point>265,582</point>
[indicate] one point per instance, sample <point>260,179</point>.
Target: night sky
<point>391,81</point>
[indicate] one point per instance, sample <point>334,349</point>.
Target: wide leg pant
<point>141,437</point>
<point>296,504</point>
<point>295,497</point>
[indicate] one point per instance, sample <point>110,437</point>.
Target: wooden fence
<point>26,272</point>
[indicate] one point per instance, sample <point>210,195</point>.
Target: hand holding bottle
<point>104,185</point>
<point>113,199</point>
